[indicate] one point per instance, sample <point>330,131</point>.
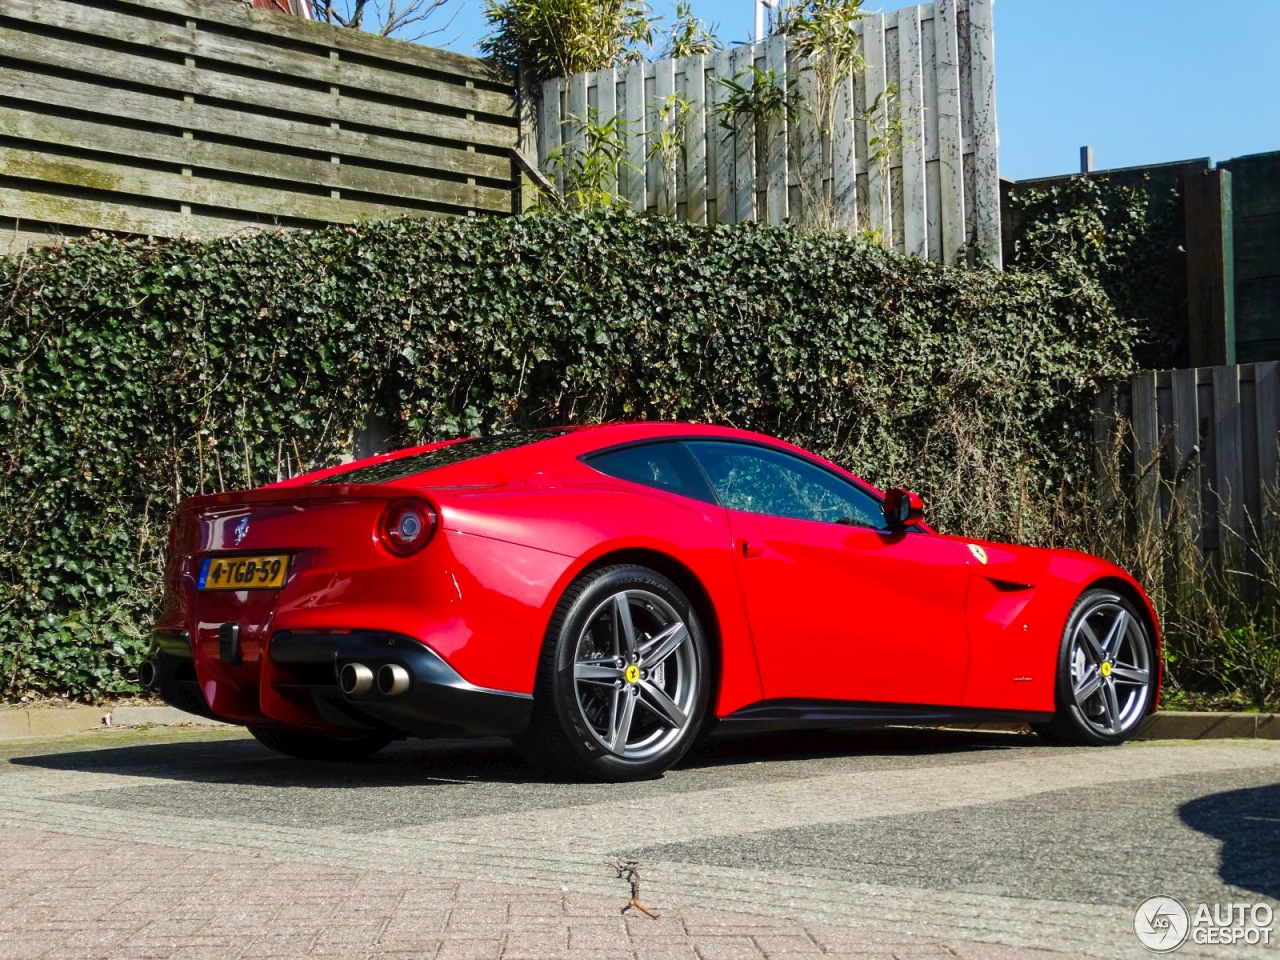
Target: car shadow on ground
<point>449,762</point>
<point>1247,822</point>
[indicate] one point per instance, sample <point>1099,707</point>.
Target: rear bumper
<point>298,687</point>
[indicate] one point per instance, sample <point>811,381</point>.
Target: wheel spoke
<point>1092,646</point>
<point>624,632</point>
<point>657,701</point>
<point>1111,645</point>
<point>1125,674</point>
<point>1087,687</point>
<point>597,671</point>
<point>1111,707</point>
<point>666,642</point>
<point>622,724</point>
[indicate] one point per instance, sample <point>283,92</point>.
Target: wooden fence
<point>174,117</point>
<point>1203,441</point>
<point>931,186</point>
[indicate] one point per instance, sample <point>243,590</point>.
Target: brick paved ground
<point>70,897</point>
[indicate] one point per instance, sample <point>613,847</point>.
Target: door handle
<point>750,549</point>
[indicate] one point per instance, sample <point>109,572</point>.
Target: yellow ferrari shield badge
<point>1106,668</point>
<point>632,674</point>
<point>978,553</point>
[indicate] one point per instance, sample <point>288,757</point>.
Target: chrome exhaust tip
<point>393,680</point>
<point>149,674</point>
<point>355,679</point>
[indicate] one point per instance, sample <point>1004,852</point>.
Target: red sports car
<point>604,595</point>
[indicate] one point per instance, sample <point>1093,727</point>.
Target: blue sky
<point>1143,82</point>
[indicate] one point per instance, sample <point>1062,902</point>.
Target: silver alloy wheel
<point>1110,668</point>
<point>635,674</point>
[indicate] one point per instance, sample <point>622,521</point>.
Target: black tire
<point>314,746</point>
<point>574,716</point>
<point>1102,718</point>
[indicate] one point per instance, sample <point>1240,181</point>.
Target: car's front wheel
<point>1106,672</point>
<point>623,681</point>
<point>312,746</point>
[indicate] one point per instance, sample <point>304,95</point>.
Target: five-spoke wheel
<point>1106,672</point>
<point>622,686</point>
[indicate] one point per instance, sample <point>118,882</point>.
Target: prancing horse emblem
<point>242,530</point>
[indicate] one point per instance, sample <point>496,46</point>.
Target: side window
<point>665,466</point>
<point>758,480</point>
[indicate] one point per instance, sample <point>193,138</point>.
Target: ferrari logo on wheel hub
<point>632,673</point>
<point>1106,668</point>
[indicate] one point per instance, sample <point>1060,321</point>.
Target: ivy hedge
<point>135,373</point>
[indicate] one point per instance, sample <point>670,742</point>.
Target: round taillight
<point>406,526</point>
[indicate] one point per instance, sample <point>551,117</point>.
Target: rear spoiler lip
<point>319,491</point>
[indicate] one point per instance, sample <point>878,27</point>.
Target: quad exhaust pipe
<point>357,680</point>
<point>149,674</point>
<point>393,680</point>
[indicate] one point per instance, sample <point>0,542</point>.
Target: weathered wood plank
<point>1266,394</point>
<point>695,139</point>
<point>950,151</point>
<point>116,217</point>
<point>606,84</point>
<point>14,240</point>
<point>273,25</point>
<point>664,121</point>
<point>316,64</point>
<point>575,115</point>
<point>1146,448</point>
<point>777,207</point>
<point>637,191</point>
<point>744,167</point>
<point>245,91</point>
<point>128,181</point>
<point>986,143</point>
<point>844,159</point>
<point>880,200</point>
<point>1187,460</point>
<point>551,134</point>
<point>1228,484</point>
<point>719,141</point>
<point>42,130</point>
<point>911,82</point>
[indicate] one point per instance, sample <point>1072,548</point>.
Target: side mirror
<point>903,509</point>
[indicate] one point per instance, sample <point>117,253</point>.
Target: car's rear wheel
<point>312,746</point>
<point>623,681</point>
<point>1106,672</point>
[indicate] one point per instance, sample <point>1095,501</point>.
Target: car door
<point>840,607</point>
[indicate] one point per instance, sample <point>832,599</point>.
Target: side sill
<point>796,713</point>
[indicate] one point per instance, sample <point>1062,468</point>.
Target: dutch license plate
<point>244,573</point>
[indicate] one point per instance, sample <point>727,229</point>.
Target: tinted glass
<point>665,466</point>
<point>389,471</point>
<point>758,480</point>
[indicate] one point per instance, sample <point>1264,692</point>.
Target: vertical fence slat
<point>607,109</point>
<point>844,160</point>
<point>725,146</point>
<point>911,80</point>
<point>1146,448</point>
<point>575,109</point>
<point>1187,455</point>
<point>950,142</point>
<point>1267,397</point>
<point>744,179</point>
<point>879,201</point>
<point>695,139</point>
<point>664,88</point>
<point>775,59</point>
<point>1229,482</point>
<point>986,145</point>
<point>636,192</point>
<point>551,132</point>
